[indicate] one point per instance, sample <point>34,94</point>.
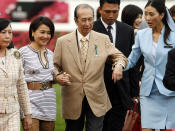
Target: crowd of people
<point>103,66</point>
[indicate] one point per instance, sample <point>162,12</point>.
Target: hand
<point>130,120</point>
<point>117,73</point>
<point>27,122</point>
<point>63,79</point>
<point>140,83</point>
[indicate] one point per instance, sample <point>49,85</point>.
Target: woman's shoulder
<point>23,48</point>
<point>12,50</point>
<point>25,51</point>
<point>49,51</point>
<point>15,53</point>
<point>144,31</point>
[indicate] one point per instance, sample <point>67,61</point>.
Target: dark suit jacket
<point>123,90</point>
<point>169,78</point>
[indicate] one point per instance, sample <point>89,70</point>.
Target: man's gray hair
<point>82,6</point>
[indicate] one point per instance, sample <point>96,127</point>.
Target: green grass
<point>59,124</point>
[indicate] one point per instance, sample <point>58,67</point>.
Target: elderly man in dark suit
<point>122,92</point>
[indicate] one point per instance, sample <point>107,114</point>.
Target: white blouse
<point>154,50</point>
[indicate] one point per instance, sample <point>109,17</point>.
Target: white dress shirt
<point>80,37</point>
<point>113,30</point>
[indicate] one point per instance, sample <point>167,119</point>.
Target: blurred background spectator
<point>132,15</point>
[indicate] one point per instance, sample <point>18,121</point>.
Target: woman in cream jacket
<point>13,88</point>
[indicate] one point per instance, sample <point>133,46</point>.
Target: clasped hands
<point>117,73</point>
<point>63,79</point>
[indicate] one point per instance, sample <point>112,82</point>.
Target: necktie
<point>84,49</point>
<point>109,32</point>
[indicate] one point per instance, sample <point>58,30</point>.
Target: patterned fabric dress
<point>43,102</point>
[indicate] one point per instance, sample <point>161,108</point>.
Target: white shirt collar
<point>80,36</point>
<point>106,25</point>
<point>113,30</point>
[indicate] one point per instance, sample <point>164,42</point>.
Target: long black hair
<point>159,5</point>
<point>3,24</point>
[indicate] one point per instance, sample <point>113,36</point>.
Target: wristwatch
<point>116,63</point>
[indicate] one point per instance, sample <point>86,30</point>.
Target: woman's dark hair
<point>159,5</point>
<point>172,11</point>
<point>39,21</point>
<point>3,24</point>
<point>130,13</point>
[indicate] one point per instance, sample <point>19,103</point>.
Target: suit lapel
<point>102,27</point>
<point>147,43</point>
<point>73,48</point>
<point>7,64</point>
<point>8,57</point>
<point>117,41</point>
<point>2,69</point>
<point>160,48</point>
<point>91,49</point>
<point>104,31</point>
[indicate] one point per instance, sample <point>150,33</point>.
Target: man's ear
<point>100,10</point>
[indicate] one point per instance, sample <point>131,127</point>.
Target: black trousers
<point>92,123</point>
<point>115,117</point>
<point>114,120</point>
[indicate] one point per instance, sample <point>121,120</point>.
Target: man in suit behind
<point>120,93</point>
<point>79,60</point>
<point>169,77</point>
